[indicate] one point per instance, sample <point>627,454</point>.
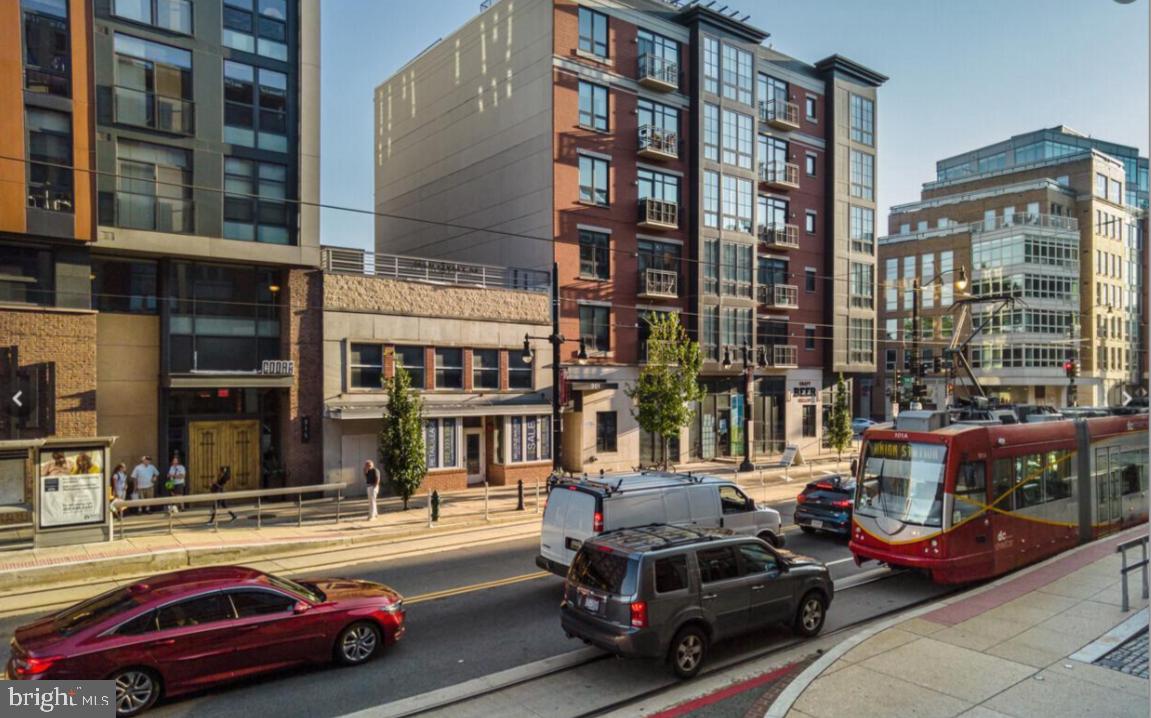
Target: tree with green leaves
<point>839,424</point>
<point>668,383</point>
<point>401,436</point>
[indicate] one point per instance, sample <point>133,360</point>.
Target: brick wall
<point>390,296</point>
<point>65,340</point>
<point>506,475</point>
<point>302,341</point>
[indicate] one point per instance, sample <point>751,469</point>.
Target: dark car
<point>825,505</point>
<point>667,592</point>
<point>183,631</point>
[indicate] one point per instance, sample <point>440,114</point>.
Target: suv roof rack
<point>666,542</point>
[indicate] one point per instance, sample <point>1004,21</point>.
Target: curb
<point>783,704</point>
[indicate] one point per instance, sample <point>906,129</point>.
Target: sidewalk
<point>1040,642</point>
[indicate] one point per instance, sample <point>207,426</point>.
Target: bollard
<point>520,495</point>
<point>430,520</point>
<point>537,496</point>
<point>339,496</point>
<point>435,506</point>
<point>1144,545</point>
<point>485,501</point>
<point>1126,606</point>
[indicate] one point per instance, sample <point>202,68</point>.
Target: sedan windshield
<point>94,610</point>
<point>903,481</point>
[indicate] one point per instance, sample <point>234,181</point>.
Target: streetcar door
<point>1108,489</point>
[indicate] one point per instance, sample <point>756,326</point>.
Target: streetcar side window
<point>1029,474</point>
<point>1003,481</point>
<point>970,490</point>
<point>1058,480</point>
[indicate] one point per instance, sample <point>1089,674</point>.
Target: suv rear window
<point>601,570</point>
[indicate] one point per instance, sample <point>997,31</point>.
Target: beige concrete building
<point>1061,234</point>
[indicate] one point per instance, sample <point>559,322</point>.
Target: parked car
<point>825,505</point>
<point>184,631</point>
<point>860,425</point>
<point>671,592</point>
<point>578,510</point>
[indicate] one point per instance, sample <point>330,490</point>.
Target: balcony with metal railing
<point>656,143</point>
<point>779,236</point>
<point>658,73</point>
<point>658,284</point>
<point>779,175</point>
<point>780,114</point>
<point>151,109</point>
<point>781,356</point>
<point>779,296</point>
<point>1027,219</point>
<point>347,260</point>
<point>658,214</point>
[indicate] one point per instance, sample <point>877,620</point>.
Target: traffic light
<point>1071,368</point>
<point>937,365</point>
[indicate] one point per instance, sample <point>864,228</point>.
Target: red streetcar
<point>971,501</point>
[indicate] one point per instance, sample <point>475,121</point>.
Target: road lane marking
<point>460,590</point>
<point>838,561</point>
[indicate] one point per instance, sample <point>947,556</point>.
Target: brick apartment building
<point>664,160</point>
<point>1053,217</point>
<point>153,248</point>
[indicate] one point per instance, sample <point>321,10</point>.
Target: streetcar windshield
<point>902,481</point>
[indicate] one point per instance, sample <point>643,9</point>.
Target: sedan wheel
<point>688,651</point>
<point>810,616</point>
<point>357,643</point>
<point>136,691</point>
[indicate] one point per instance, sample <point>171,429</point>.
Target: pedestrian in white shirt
<point>177,483</point>
<point>145,475</point>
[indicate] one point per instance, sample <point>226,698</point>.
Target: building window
<point>890,285</point>
<point>593,106</point>
<point>485,369</point>
<point>594,255</point>
<point>367,364</point>
<point>711,199</point>
<point>49,159</point>
<point>738,145</point>
<point>809,421</point>
<point>657,185</point>
<point>809,165</point>
<point>737,204</point>
<point>254,201</point>
<point>153,85</point>
<point>440,443</point>
<point>809,338</point>
<point>809,280</point>
<point>26,276</point>
<point>810,105</point>
<point>737,74</point>
<point>889,359</point>
<point>661,121</point>
<point>737,269</point>
<point>123,286</point>
<point>735,327</point>
<point>862,285</point>
<point>47,56</point>
<point>412,361</point>
<point>862,120</point>
<point>1100,185</point>
<point>862,221</point>
<point>711,65</point>
<point>947,289</point>
<point>926,273</point>
<point>711,267</point>
<point>593,180</point>
<point>255,107</point>
<point>154,187</point>
<point>449,369</point>
<point>809,221</point>
<point>658,56</point>
<point>862,175</point>
<point>711,132</point>
<point>1115,192</point>
<point>264,32</point>
<point>593,32</point>
<point>861,341</point>
<point>172,15</point>
<point>520,374</point>
<point>530,438</point>
<point>605,432</point>
<point>709,341</point>
<point>594,327</point>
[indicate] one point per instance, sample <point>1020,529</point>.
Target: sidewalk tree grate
<point>1129,658</point>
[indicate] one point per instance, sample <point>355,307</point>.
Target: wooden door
<point>212,444</point>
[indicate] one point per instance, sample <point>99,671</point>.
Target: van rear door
<point>568,522</point>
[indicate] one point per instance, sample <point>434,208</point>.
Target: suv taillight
<point>639,614</point>
<point>597,522</point>
<point>844,504</point>
<point>801,498</point>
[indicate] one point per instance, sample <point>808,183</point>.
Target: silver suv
<point>667,592</point>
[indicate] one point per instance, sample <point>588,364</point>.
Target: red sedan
<point>187,630</point>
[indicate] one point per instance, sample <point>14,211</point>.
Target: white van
<point>578,510</point>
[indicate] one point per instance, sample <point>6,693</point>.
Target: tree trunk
<point>405,497</point>
<point>666,450</point>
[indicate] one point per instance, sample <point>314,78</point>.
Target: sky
<point>964,73</point>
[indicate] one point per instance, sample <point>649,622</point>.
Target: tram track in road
<point>519,677</point>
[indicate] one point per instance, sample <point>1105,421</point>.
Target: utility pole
<point>557,341</point>
<point>916,367</point>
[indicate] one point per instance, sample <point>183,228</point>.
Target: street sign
<point>789,453</point>
<point>1126,398</point>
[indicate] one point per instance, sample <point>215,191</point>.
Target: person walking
<point>119,484</point>
<point>145,475</point>
<point>218,488</point>
<point>177,483</point>
<point>372,480</point>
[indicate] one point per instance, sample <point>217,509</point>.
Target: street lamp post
<point>556,340</point>
<point>748,376</point>
<point>918,388</point>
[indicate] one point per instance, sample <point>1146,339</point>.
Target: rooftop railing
<point>347,260</point>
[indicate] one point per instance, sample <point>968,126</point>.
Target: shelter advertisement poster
<point>72,487</point>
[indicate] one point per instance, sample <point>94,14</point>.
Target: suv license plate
<point>591,603</point>
<point>815,524</point>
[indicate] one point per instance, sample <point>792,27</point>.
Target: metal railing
<point>47,82</point>
<point>1027,219</point>
<point>779,295</point>
<point>346,260</point>
<point>779,173</point>
<point>659,283</point>
<point>658,213</point>
<point>151,109</point>
<point>658,140</point>
<point>779,235</point>
<point>653,68</point>
<point>780,112</point>
<point>46,195</point>
<point>149,211</point>
<point>1121,549</point>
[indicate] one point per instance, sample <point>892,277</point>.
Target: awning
<point>372,406</point>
